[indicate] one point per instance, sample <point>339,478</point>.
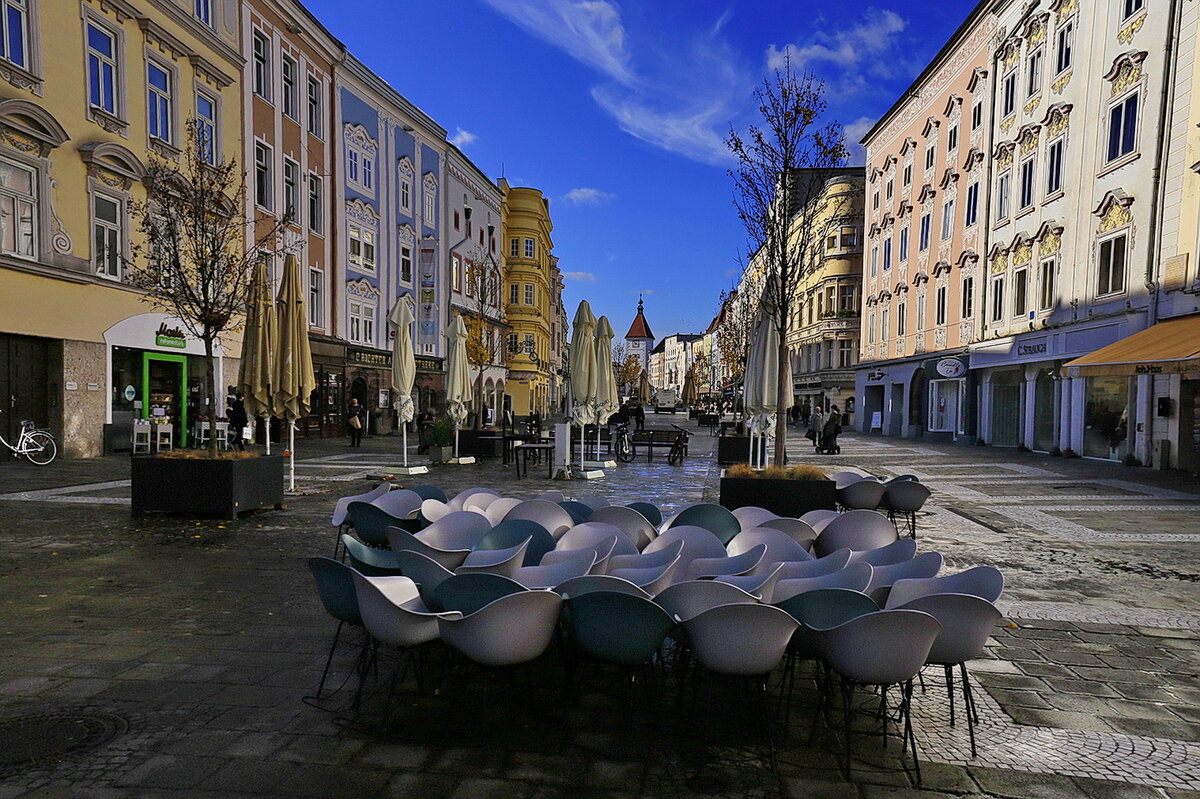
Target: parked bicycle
<point>679,448</point>
<point>36,445</point>
<point>623,443</point>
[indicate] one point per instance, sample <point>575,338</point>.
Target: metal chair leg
<point>329,660</point>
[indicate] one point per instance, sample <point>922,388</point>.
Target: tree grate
<point>28,743</point>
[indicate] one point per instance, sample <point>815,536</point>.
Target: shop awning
<point>1169,347</point>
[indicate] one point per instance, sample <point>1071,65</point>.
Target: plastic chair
<point>650,512</point>
<point>553,518</point>
<point>335,587</point>
<point>697,543</point>
<point>401,503</point>
<point>600,552</point>
<point>499,508</point>
<point>459,501</point>
<point>817,519</point>
<point>141,437</point>
<point>433,509</point>
<point>370,523</point>
<point>504,562</point>
<point>511,533</point>
<point>690,598</point>
<point>592,533</point>
<point>403,540</point>
<point>852,578</point>
<point>369,560</point>
<point>429,492</point>
<point>834,561</point>
<point>743,563</point>
<point>393,613</point>
<point>647,560</point>
<point>864,494</point>
<point>480,502</point>
<point>339,508</point>
<point>579,512</point>
<point>843,479</point>
<point>586,584</point>
<point>898,551</point>
<point>985,582</point>
<point>762,585</point>
<point>780,547</point>
<point>856,529</point>
<point>927,564</point>
<point>717,520</point>
<point>746,639</point>
<point>427,573</point>
<point>634,525</point>
<point>513,629</point>
<point>468,593</point>
<point>594,502</point>
<point>903,499</point>
<point>574,565</point>
<point>821,609</point>
<point>966,621</point>
<point>801,532</point>
<point>448,540</point>
<point>751,516</point>
<point>650,579</point>
<point>619,628</point>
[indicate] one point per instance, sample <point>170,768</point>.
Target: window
<point>1020,293</point>
<point>875,200</point>
<point>1008,98</point>
<point>940,305</point>
<point>930,156</point>
<point>883,325</point>
<point>907,179</point>
<point>368,172</point>
<point>831,242</point>
<point>529,294</point>
<point>315,280</point>
<point>1046,285</point>
<point>14,32</point>
<point>1122,127</point>
<point>291,189</point>
<point>901,314</point>
<point>287,72</point>
<point>846,301</point>
<point>158,102</point>
<point>362,248</point>
<point>920,312</point>
<point>849,237</point>
<point>314,106</point>
<point>871,328</point>
<point>360,162</point>
<point>1054,166</point>
<point>262,175</point>
<point>968,297</point>
<point>106,236</point>
<point>529,248</point>
<point>1065,44</point>
<point>1112,265</point>
<point>262,65</point>
<point>903,244</point>
<point>952,139</point>
<point>998,298</point>
<point>874,261</point>
<point>406,193</point>
<point>1002,192</point>
<point>887,254</point>
<point>514,248</point>
<point>947,219</point>
<point>926,225</point>
<point>529,345</point>
<point>206,127</point>
<point>456,220</point>
<point>102,68</point>
<point>203,11</point>
<point>1132,7</point>
<point>1025,187</point>
<point>455,273</point>
<point>362,322</point>
<point>406,263</point>
<point>430,202</point>
<point>972,204</point>
<point>890,186</point>
<point>1033,73</point>
<point>976,115</point>
<point>513,293</point>
<point>845,353</point>
<point>18,204</point>
<point>316,208</point>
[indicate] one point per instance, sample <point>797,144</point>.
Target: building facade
<point>559,341</point>
<point>528,279</point>
<point>639,340</point>
<point>93,93</point>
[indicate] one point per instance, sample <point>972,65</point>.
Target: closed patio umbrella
<point>583,370</point>
<point>458,377</point>
<point>294,380</point>
<point>759,381</point>
<point>607,401</point>
<point>644,390</point>
<point>256,372</point>
<point>689,390</point>
<point>404,367</point>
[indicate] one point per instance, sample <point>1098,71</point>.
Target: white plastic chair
<point>843,479</point>
<point>854,578</point>
<point>576,564</point>
<point>459,500</point>
<point>635,526</point>
<point>800,531</point>
<point>593,502</point>
<point>856,530</point>
<point>762,585</point>
<point>741,639</point>
<point>393,612</point>
<point>743,563</point>
<point>495,561</point>
<point>751,516</point>
<point>549,515</point>
<point>425,571</point>
<point>817,519</point>
<point>927,564</point>
<point>401,503</point>
<point>513,629</point>
<point>898,551</point>
<point>498,509</point>
<point>339,507</point>
<point>578,586</point>
<point>865,494</point>
<point>448,540</point>
<point>651,579</point>
<point>780,546</point>
<point>591,533</point>
<point>601,551</point>
<point>697,543</point>
<point>688,599</point>
<point>434,509</point>
<point>985,582</point>
<point>834,561</point>
<point>647,560</point>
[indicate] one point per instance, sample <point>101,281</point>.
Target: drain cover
<point>31,742</point>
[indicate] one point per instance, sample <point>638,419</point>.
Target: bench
<point>709,420</point>
<point>650,439</point>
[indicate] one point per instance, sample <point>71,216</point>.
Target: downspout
<point>1164,114</point>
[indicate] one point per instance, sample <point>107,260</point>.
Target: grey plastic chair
<point>636,527</point>
<point>762,585</point>
<point>896,552</point>
<point>434,509</point>
<point>578,586</point>
<point>966,621</point>
<point>647,560</point>
<point>369,560</point>
<point>780,547</point>
<point>817,519</point>
<point>393,613</point>
<point>651,579</point>
<point>985,582</point>
<point>591,533</point>
<point>927,564</point>
<point>864,494</point>
<point>688,599</point>
<point>504,562</point>
<point>800,531</point>
<point>745,639</point>
<point>400,503</point>
<point>575,564</point>
<point>856,530</point>
<point>499,508</point>
<point>697,543</point>
<point>341,519</point>
<point>448,540</point>
<point>424,571</point>
<point>594,502</point>
<point>717,520</point>
<point>903,499</point>
<point>751,516</point>
<point>549,515</point>
<point>843,479</point>
<point>459,500</point>
<point>600,552</point>
<point>851,578</point>
<point>834,561</point>
<point>512,630</point>
<point>743,563</point>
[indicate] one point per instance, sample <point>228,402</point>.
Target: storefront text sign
<point>873,376</point>
<point>951,367</point>
<point>381,360</point>
<point>427,364</point>
<point>1038,348</point>
<point>171,337</point>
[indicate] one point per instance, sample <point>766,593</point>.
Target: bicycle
<point>679,448</point>
<point>36,445</point>
<point>623,444</point>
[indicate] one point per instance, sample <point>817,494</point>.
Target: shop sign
<point>427,364</point>
<point>874,376</point>
<point>171,337</point>
<point>130,393</point>
<point>1038,348</point>
<point>951,367</point>
<point>381,360</point>
<point>1148,369</point>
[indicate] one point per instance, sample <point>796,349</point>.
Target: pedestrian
<point>424,429</point>
<point>805,413</point>
<point>356,420</point>
<point>830,431</point>
<point>639,416</point>
<point>815,426</point>
<point>237,421</point>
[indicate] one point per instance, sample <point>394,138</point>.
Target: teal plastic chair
<point>822,609</point>
<point>714,518</point>
<point>468,593</point>
<point>370,561</point>
<point>651,512</point>
<point>335,587</point>
<point>427,573</point>
<point>580,513</point>
<point>619,628</point>
<point>513,532</point>
<point>370,523</point>
<point>429,492</point>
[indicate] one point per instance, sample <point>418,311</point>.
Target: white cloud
<point>691,131</point>
<point>580,277</point>
<point>589,30</point>
<point>463,138</point>
<point>585,195</point>
<point>846,48</point>
<point>856,153</point>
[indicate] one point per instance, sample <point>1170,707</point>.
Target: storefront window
<point>943,405</point>
<point>1044,414</point>
<point>1006,409</point>
<point>1106,418</point>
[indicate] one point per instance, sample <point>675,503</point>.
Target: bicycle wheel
<point>40,447</point>
<point>675,456</point>
<point>624,449</point>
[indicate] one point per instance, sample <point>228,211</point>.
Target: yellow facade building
<point>528,264</point>
<point>92,88</point>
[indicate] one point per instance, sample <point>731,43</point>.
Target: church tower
<point>640,339</point>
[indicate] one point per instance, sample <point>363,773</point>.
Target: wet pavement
<point>184,649</point>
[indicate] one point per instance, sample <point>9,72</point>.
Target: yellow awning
<point>1169,347</point>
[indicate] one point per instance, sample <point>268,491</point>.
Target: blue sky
<point>616,110</point>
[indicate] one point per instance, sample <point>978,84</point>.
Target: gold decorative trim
<point>1032,105</point>
<point>1050,244</point>
<point>1007,124</point>
<point>1126,34</point>
<point>1117,216</point>
<point>999,263</point>
<point>1023,253</point>
<point>1061,82</point>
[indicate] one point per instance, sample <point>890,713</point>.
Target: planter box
<point>735,449</point>
<point>791,498</point>
<point>206,487</point>
<point>441,454</point>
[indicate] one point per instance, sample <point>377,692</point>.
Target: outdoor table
<point>510,442</point>
<point>539,447</point>
<point>499,438</point>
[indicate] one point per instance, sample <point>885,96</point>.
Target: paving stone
<point>1023,785</point>
<point>1087,687</point>
<point>395,756</point>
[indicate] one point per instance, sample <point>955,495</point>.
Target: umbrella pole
<point>292,453</point>
<point>267,432</point>
<point>404,428</point>
<point>456,440</point>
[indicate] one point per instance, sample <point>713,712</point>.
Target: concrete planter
<point>441,454</point>
<point>205,487</point>
<point>791,498</point>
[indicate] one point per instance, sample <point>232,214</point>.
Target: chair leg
<point>906,711</point>
<point>950,691</point>
<point>329,660</point>
<point>969,701</point>
<point>847,694</point>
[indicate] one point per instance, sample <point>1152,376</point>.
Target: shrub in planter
<point>789,491</point>
<point>441,440</point>
<point>194,484</point>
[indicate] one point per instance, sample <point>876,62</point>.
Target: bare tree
<point>194,257</point>
<point>782,166</point>
<point>484,317</point>
<point>735,326</point>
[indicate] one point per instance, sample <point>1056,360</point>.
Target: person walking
<point>830,431</point>
<point>815,426</point>
<point>424,430</point>
<point>237,421</point>
<point>356,420</point>
<point>639,416</point>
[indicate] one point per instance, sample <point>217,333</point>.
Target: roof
<point>640,327</point>
<point>660,347</point>
<point>1169,347</point>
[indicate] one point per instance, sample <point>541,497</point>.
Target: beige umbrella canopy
<point>689,389</point>
<point>607,399</point>
<point>458,378</point>
<point>256,372</point>
<point>583,365</point>
<point>294,380</point>
<point>644,390</point>
<point>404,363</point>
<point>762,372</point>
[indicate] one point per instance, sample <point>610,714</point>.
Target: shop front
<point>368,379</point>
<point>892,398</point>
<point>329,370</point>
<point>949,395</point>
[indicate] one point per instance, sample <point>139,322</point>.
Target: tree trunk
<point>479,401</point>
<point>783,401</point>
<point>211,411</point>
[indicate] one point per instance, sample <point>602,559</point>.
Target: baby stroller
<point>828,445</point>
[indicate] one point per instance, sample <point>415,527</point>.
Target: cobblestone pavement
<point>202,637</point>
